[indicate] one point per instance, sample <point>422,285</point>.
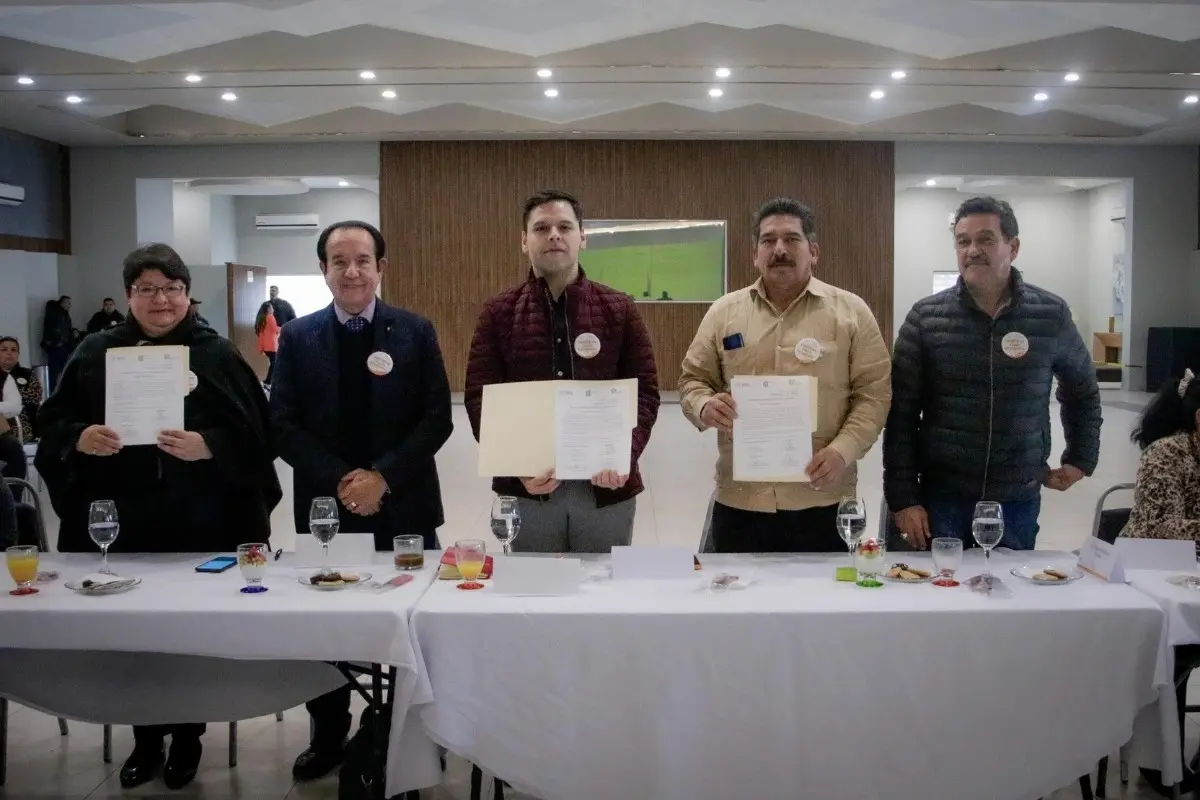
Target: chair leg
<point>62,727</point>
<point>3,740</point>
<point>1102,777</point>
<point>279,716</point>
<point>476,782</point>
<point>232,745</point>
<point>107,752</point>
<point>1085,787</point>
<point>1124,765</point>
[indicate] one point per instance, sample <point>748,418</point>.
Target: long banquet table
<point>189,647</point>
<point>795,686</point>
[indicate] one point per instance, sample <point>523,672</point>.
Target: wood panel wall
<point>451,213</point>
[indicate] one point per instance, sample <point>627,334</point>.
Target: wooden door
<point>247,292</point>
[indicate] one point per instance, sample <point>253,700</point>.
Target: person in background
<point>360,405</point>
<point>58,337</point>
<point>27,384</point>
<point>560,325</point>
<point>202,489</point>
<point>12,454</point>
<point>267,330</point>
<point>106,317</point>
<point>788,323</point>
<point>284,313</point>
<point>194,308</point>
<point>9,532</point>
<point>972,369</point>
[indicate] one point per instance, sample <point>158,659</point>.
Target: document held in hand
<point>144,388</point>
<point>530,428</point>
<point>773,429</point>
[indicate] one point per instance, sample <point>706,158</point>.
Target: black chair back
<point>31,525</point>
<point>1112,522</point>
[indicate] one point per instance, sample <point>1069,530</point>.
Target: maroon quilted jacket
<point>512,343</point>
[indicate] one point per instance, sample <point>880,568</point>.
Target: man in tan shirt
<point>789,323</point>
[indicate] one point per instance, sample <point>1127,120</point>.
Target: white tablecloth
<point>796,686</point>
<point>189,647</point>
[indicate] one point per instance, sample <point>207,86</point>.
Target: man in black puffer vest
<point>971,377</point>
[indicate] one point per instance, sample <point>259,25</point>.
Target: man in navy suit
<point>360,405</point>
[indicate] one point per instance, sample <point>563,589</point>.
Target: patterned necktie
<point>356,324</point>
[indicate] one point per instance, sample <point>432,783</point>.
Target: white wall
<point>29,280</point>
<point>223,230</point>
<point>1162,216</point>
<point>295,252</point>
<point>192,226</point>
<point>1106,239</point>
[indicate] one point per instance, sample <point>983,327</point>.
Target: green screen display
<point>658,260</point>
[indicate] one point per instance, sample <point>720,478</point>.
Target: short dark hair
<point>350,225</point>
<point>786,206</point>
<point>12,339</point>
<point>64,297</point>
<point>989,205</point>
<point>551,196</point>
<point>1170,411</point>
<point>161,257</point>
<point>107,300</point>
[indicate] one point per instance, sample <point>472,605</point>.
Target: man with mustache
<point>558,325</point>
<point>971,376</point>
<point>788,323</point>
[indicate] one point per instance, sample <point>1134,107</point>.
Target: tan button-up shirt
<point>853,380</point>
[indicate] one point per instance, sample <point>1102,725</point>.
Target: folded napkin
<point>448,568</point>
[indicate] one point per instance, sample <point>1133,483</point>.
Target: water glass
<point>852,522</point>
<point>506,521</point>
<point>947,559</point>
<point>988,529</point>
<point>23,567</point>
<point>252,561</point>
<point>470,556</point>
<point>323,525</point>
<point>408,552</point>
<point>103,527</point>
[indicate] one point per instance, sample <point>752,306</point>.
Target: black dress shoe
<point>182,763</point>
<point>141,766</point>
<point>317,762</point>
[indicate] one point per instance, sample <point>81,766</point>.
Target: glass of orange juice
<point>469,557</point>
<point>23,567</point>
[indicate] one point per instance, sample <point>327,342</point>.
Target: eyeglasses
<point>147,290</point>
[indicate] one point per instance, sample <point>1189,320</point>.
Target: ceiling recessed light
<point>25,80</point>
<point>931,182</point>
<point>545,72</point>
<point>343,183</point>
<point>715,92</point>
<point>367,75</point>
<point>1196,73</point>
<point>389,94</point>
<point>193,78</point>
<point>1071,77</point>
<point>229,97</point>
<point>551,93</point>
<point>723,72</point>
<point>878,94</point>
<point>1192,99</point>
<point>991,134</point>
<point>1041,97</point>
<point>899,74</point>
<point>74,99</point>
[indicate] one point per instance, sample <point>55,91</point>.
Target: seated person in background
<point>199,490</point>
<point>11,451</point>
<point>27,384</point>
<point>1166,502</point>
<point>106,317</point>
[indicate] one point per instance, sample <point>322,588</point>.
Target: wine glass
<point>22,566</point>
<point>852,522</point>
<point>506,521</point>
<point>947,558</point>
<point>988,529</point>
<point>323,525</point>
<point>470,556</point>
<point>103,527</point>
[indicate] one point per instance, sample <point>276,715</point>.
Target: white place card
<point>651,563</point>
<point>1102,560</point>
<point>346,550</point>
<point>1172,554</point>
<point>534,576</point>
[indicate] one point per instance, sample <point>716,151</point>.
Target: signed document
<point>592,431</point>
<point>144,388</point>
<point>772,434</point>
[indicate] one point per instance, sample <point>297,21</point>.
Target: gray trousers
<point>569,522</point>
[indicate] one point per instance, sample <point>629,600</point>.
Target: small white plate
<point>306,580</point>
<point>1186,581</point>
<point>728,582</point>
<point>884,575</point>
<point>124,585</point>
<point>1026,572</point>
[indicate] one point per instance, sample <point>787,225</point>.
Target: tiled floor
<point>678,466</point>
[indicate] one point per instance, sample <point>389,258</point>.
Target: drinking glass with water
<point>103,527</point>
<point>988,529</point>
<point>323,525</point>
<point>506,521</point>
<point>852,522</point>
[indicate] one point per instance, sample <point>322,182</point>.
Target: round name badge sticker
<point>22,381</point>
<point>587,345</point>
<point>1014,345</point>
<point>379,363</point>
<point>193,381</point>
<point>808,350</point>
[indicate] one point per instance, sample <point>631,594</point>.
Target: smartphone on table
<point>218,564</point>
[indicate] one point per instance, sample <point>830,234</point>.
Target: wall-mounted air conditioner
<point>287,222</point>
<point>1117,214</point>
<point>11,195</point>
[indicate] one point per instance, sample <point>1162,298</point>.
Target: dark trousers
<point>331,718</point>
<point>811,530</point>
<point>56,358</point>
<point>13,456</point>
<point>270,367</point>
<point>153,735</point>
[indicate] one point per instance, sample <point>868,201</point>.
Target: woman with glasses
<point>202,489</point>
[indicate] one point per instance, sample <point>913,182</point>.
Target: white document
<point>1172,554</point>
<point>652,563</point>
<point>532,576</point>
<point>591,431</point>
<point>144,388</point>
<point>1102,560</point>
<point>772,433</point>
<point>345,550</point>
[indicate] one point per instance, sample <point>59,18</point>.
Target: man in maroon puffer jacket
<point>558,325</point>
